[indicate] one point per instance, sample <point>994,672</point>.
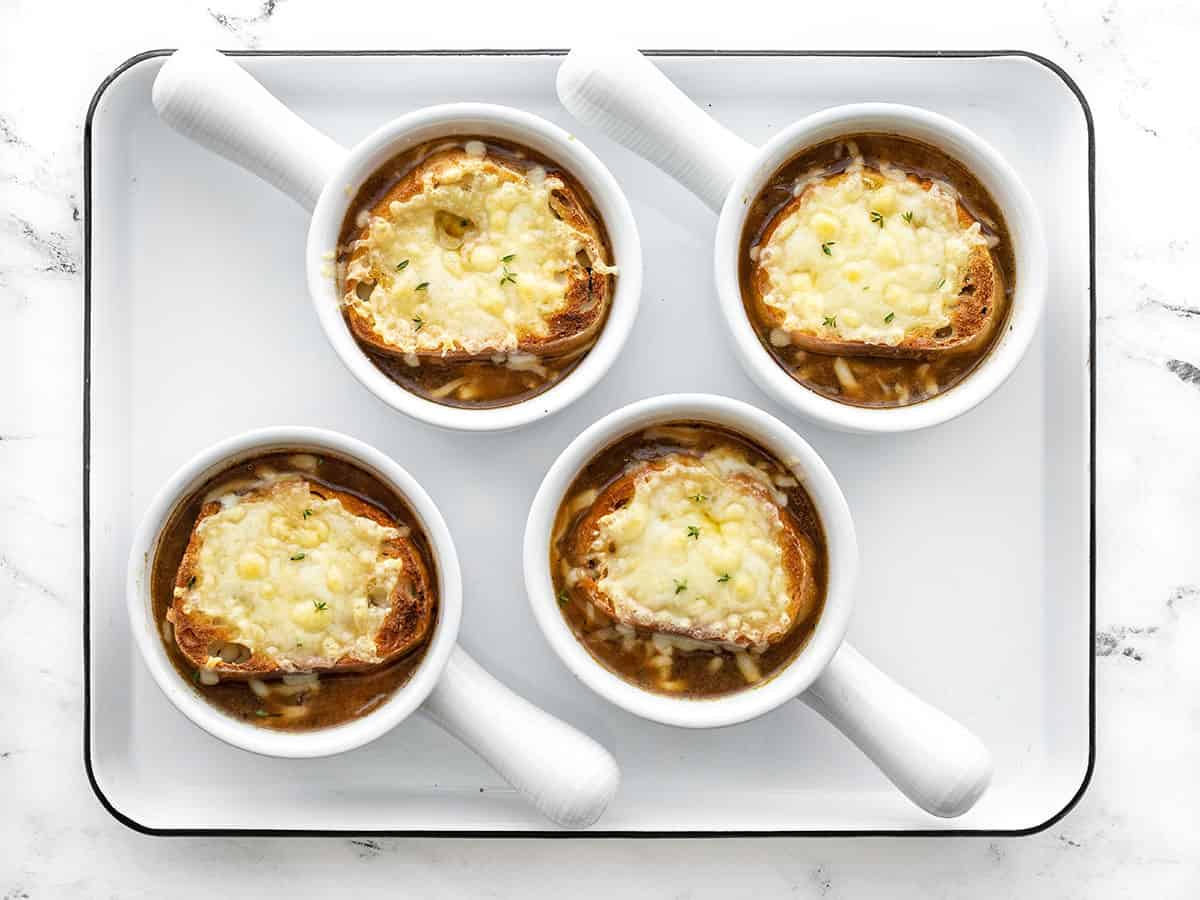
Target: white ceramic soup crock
<point>620,92</point>
<point>565,774</point>
<point>212,100</point>
<point>935,761</point>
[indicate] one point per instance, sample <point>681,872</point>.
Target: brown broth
<point>484,384</point>
<point>629,652</point>
<point>883,381</point>
<point>338,698</point>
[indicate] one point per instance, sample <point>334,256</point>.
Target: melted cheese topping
<point>699,549</point>
<point>472,262</point>
<point>868,256</point>
<point>294,576</point>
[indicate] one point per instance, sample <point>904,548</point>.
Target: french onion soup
<point>876,270</point>
<point>474,272</point>
<point>294,591</point>
<point>689,560</point>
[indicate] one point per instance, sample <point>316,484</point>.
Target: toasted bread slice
<point>298,577</point>
<point>699,546</point>
<point>877,263</point>
<point>470,257</point>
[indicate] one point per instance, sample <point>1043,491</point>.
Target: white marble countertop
<point>1133,834</point>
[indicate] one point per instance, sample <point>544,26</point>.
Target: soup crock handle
<point>935,761</point>
<point>569,777</point>
<point>622,93</point>
<point>214,101</point>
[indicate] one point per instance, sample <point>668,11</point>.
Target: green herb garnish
<point>831,321</point>
<point>422,286</point>
<point>196,676</point>
<point>877,218</point>
<point>307,513</point>
<point>680,585</point>
<point>402,265</point>
<point>507,259</point>
<point>887,320</point>
<point>191,582</point>
<point>320,605</point>
<point>297,556</point>
<point>693,531</point>
<point>698,498</point>
<point>263,714</point>
<point>418,323</point>
<point>825,247</point>
<point>941,284</point>
<point>907,217</point>
<point>724,577</point>
<point>563,597</point>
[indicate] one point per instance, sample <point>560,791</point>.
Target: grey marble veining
<point>1133,834</point>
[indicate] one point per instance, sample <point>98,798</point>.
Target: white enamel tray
<point>975,536</point>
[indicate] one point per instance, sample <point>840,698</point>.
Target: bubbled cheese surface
<point>293,576</point>
<point>698,549</point>
<point>470,263</point>
<point>868,256</point>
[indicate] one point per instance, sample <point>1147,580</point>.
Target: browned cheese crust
<point>797,549</point>
<point>406,625</point>
<point>588,292</point>
<point>972,321</point>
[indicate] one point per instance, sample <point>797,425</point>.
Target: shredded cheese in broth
<point>472,262</point>
<point>294,576</point>
<point>869,255</point>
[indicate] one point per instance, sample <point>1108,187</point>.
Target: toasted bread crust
<point>586,298</point>
<point>972,321</point>
<point>406,625</point>
<point>797,549</point>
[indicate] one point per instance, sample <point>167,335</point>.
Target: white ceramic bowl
<point>564,773</point>
<point>211,99</point>
<point>619,91</point>
<point>148,635</point>
<point>817,480</point>
<point>934,760</point>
